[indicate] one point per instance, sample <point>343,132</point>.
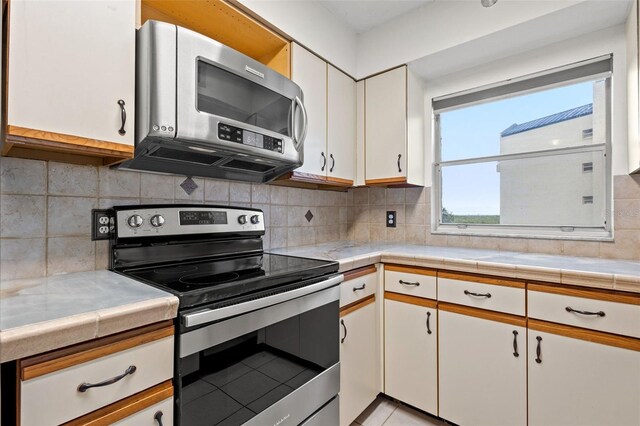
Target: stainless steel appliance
<point>256,333</point>
<point>204,109</point>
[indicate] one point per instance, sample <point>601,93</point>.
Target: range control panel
<point>162,221</point>
<point>246,137</point>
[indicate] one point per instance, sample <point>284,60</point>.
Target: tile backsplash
<point>45,221</point>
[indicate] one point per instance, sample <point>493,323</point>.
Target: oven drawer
<point>358,284</point>
<point>602,311</point>
<point>494,294</point>
<point>419,282</point>
<point>58,387</point>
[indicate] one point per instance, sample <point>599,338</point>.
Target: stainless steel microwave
<point>204,109</point>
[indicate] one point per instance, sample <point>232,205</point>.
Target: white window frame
<point>483,95</point>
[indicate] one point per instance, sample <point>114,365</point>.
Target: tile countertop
<point>623,275</point>
<point>42,314</point>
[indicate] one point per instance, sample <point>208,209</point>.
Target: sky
<point>475,132</point>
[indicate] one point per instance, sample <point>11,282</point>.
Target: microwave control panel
<point>246,137</point>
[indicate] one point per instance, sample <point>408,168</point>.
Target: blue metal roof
<point>548,120</point>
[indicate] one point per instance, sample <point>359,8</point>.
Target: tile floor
<point>385,412</point>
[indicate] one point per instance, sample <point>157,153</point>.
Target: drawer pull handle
<point>359,288</point>
<point>86,386</point>
<point>399,168</point>
<point>158,417</point>
<point>345,331</point>
<point>539,350</point>
<point>123,117</point>
<point>428,326</point>
<point>576,311</point>
<point>333,164</point>
<point>515,344</point>
<point>324,161</point>
<point>416,284</point>
<point>470,293</point>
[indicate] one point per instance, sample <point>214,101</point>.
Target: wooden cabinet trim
<point>600,337</point>
<point>605,295</point>
<point>483,279</point>
<point>386,181</point>
<point>412,300</point>
<point>483,314</point>
<point>125,407</point>
<point>360,272</point>
<point>50,362</point>
<point>410,269</point>
<point>346,310</point>
<point>339,181</point>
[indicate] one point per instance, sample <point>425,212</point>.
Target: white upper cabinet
<point>70,64</point>
<point>394,128</point>
<point>310,73</point>
<point>360,158</point>
<point>341,127</point>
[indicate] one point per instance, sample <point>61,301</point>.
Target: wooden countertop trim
<point>606,295</point>
<point>126,407</point>
<point>593,336</point>
<point>410,269</point>
<point>360,272</point>
<point>50,362</point>
<point>483,314</point>
<point>412,300</point>
<point>386,181</point>
<point>346,310</point>
<point>483,279</point>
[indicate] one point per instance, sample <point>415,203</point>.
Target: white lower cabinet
<point>482,381</point>
<point>411,352</point>
<point>358,361</point>
<point>578,382</point>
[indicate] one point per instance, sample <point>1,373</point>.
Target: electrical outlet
<point>101,224</point>
<point>390,219</point>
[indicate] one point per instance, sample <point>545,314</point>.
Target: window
<point>515,159</point>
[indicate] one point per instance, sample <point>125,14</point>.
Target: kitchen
<point>378,212</point>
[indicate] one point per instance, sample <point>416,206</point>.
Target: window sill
<point>543,233</point>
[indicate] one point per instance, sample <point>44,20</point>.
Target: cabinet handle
<point>123,117</point>
<point>85,386</point>
<point>324,161</point>
<point>345,331</point>
<point>158,417</point>
<point>515,344</point>
<point>416,284</point>
<point>576,311</point>
<point>333,162</point>
<point>399,168</point>
<point>539,350</point>
<point>428,326</point>
<point>470,293</point>
<point>359,288</point>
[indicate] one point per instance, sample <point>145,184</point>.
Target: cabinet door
<point>578,382</point>
<point>386,125</point>
<point>310,73</point>
<point>482,382</point>
<point>411,366</point>
<point>358,364</point>
<point>341,128</point>
<point>69,65</point>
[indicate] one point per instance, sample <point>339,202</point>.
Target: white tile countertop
<point>42,314</point>
<point>623,275</point>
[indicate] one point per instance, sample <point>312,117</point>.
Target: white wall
<point>313,26</point>
<point>611,40</point>
<point>633,80</point>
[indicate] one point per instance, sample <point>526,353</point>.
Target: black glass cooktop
<point>218,280</point>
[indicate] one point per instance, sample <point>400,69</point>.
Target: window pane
<point>552,190</point>
<point>560,117</point>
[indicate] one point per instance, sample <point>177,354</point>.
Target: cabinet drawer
<point>494,294</point>
<point>358,284</point>
<point>419,282</point>
<point>50,391</point>
<point>602,311</point>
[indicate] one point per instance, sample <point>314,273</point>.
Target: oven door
<point>275,365</point>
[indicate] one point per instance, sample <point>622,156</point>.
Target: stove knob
<point>157,221</point>
<point>255,219</point>
<point>135,221</point>
<point>242,219</point>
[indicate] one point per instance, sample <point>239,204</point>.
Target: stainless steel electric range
<point>256,333</point>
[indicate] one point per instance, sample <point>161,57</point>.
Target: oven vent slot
<point>251,167</point>
<point>186,156</point>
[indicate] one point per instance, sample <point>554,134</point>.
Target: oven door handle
<point>208,315</point>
